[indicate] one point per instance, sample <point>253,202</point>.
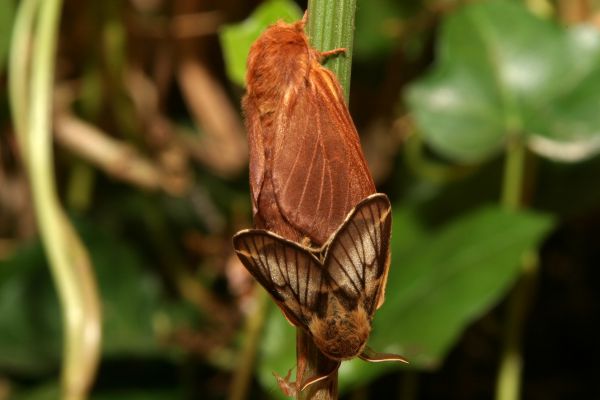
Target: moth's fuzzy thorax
<point>278,61</point>
<point>341,336</point>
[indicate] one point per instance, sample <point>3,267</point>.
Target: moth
<point>321,247</point>
<point>307,169</point>
<point>333,291</point>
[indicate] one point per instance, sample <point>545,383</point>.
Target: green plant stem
<point>514,172</point>
<point>31,77</point>
<point>410,385</point>
<point>508,384</point>
<point>331,26</point>
<point>18,71</point>
<point>245,363</point>
<point>312,363</point>
<point>508,381</point>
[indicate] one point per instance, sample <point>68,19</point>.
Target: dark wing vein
<point>363,253</point>
<point>340,281</point>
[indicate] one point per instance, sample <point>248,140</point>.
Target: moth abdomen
<point>343,334</point>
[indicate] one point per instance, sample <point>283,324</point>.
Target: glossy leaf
<point>503,71</point>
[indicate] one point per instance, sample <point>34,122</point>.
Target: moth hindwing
<point>331,292</point>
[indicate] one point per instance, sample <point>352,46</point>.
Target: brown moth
<point>322,250</point>
<point>333,291</point>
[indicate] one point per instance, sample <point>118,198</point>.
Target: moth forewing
<point>357,256</point>
<point>384,278</point>
<point>291,273</point>
<point>354,263</point>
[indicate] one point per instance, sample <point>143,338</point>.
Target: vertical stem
<point>508,384</point>
<point>330,26</point>
<point>311,363</point>
<point>252,331</point>
<point>410,386</point>
<point>508,381</point>
<point>514,170</point>
<point>31,81</point>
<point>18,71</point>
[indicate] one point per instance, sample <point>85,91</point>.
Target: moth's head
<point>343,335</point>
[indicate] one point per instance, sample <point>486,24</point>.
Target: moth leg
<point>322,54</point>
<point>329,53</point>
<point>371,355</point>
<point>288,388</point>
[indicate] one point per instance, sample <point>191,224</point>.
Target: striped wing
<point>290,273</point>
<point>358,254</point>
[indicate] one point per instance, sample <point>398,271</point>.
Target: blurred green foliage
<point>503,72</point>
<point>30,334</point>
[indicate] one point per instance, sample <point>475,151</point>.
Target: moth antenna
<point>319,378</point>
<point>304,19</point>
<point>371,355</point>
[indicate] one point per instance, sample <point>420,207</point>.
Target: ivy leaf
<point>502,71</point>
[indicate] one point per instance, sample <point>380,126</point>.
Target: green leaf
<point>7,13</point>
<point>30,318</point>
<point>567,126</point>
<point>29,322</point>
<point>503,71</point>
<point>237,39</point>
<point>447,280</point>
<point>439,282</point>
<point>277,352</point>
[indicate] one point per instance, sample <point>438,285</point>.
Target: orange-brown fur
<point>342,334</point>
